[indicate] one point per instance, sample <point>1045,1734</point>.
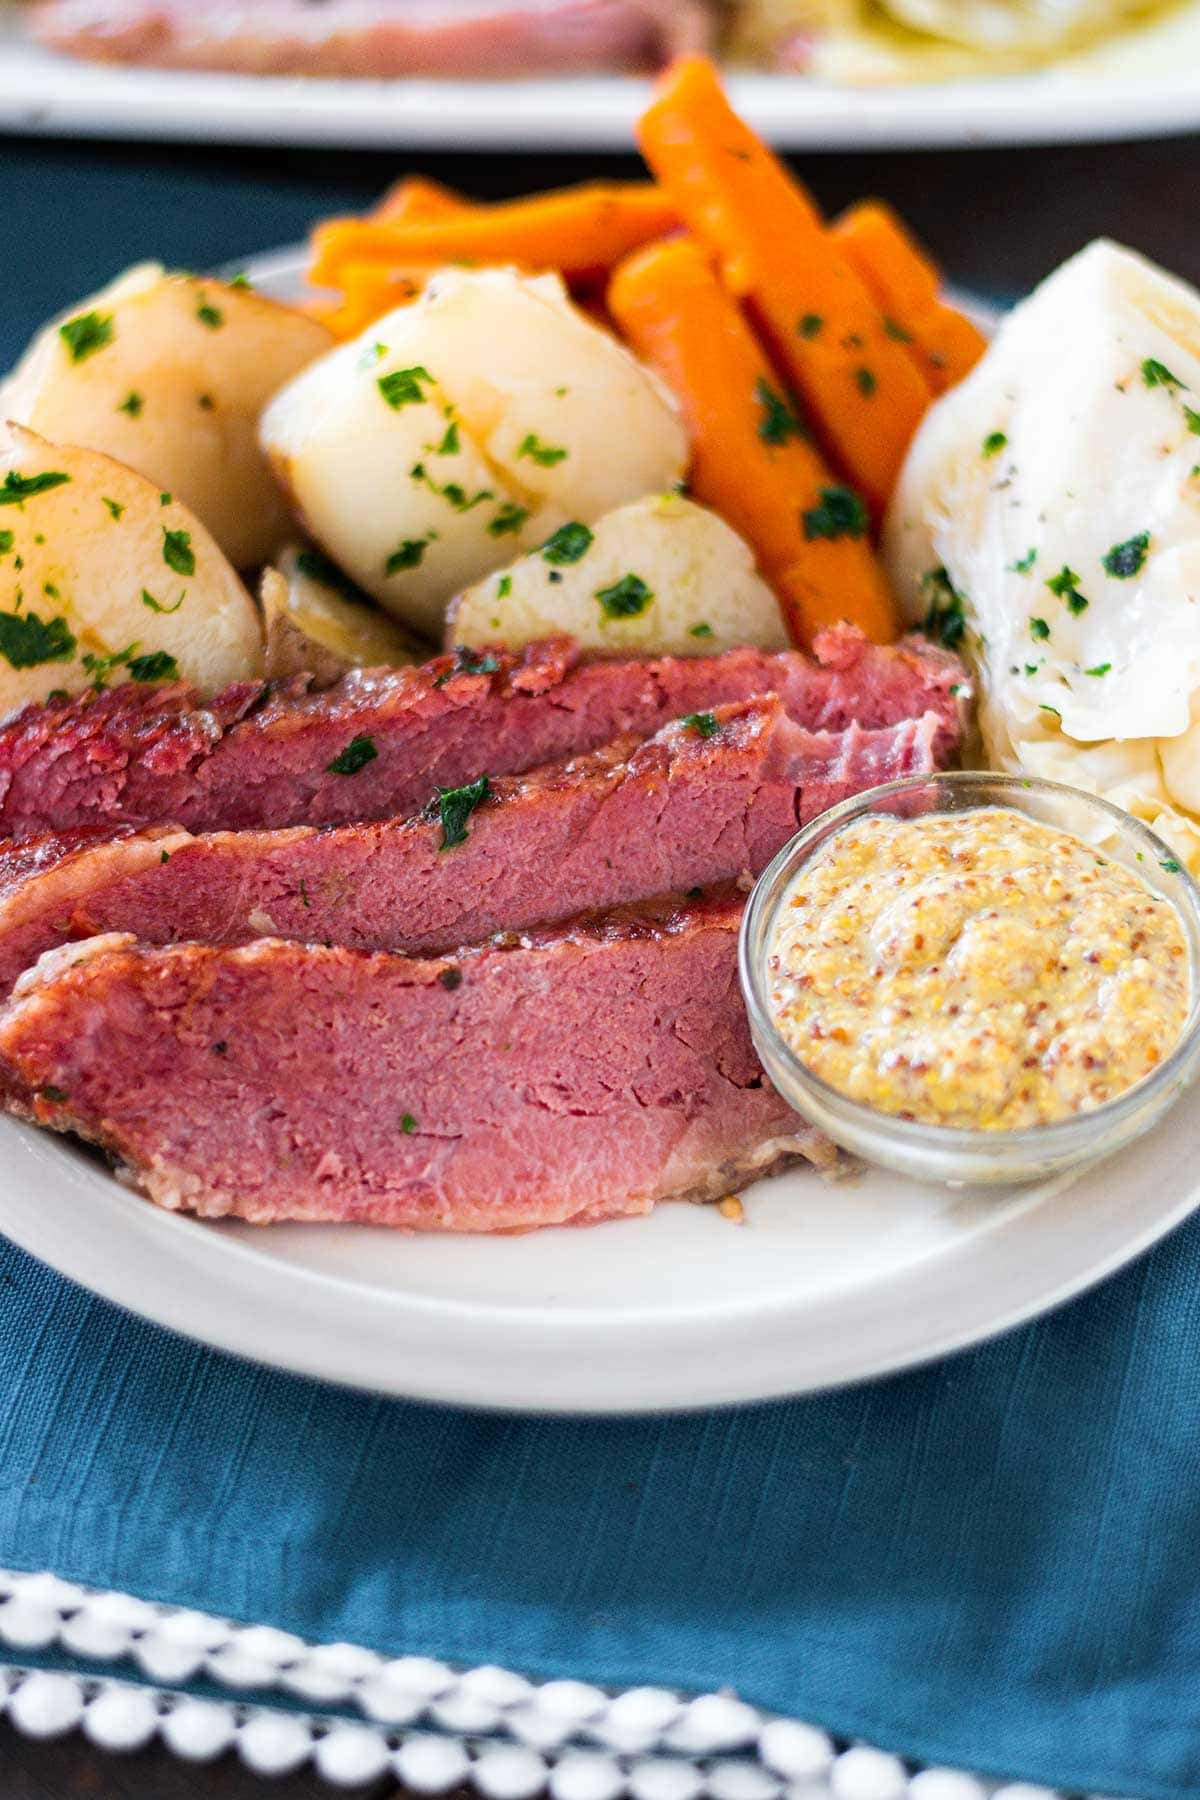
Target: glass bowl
<point>967,1155</point>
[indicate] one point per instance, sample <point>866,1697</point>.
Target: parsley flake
<point>1100,669</point>
<point>1171,866</point>
<point>84,335</point>
<point>1156,374</point>
<point>156,606</point>
<point>1065,585</point>
<point>544,455</point>
<point>866,382</point>
<point>994,442</point>
<point>468,662</point>
<point>1193,420</point>
<point>156,665</point>
<point>406,556</point>
<point>407,1124</point>
<point>6,542</point>
<point>568,544</point>
<point>1125,560</point>
<point>701,631</point>
<point>504,587</point>
<point>357,754</point>
<point>132,404</point>
<point>27,641</point>
<point>115,509</point>
<point>210,315</point>
<point>16,489</point>
<point>455,806</point>
<point>809,325</point>
<point>779,423</point>
<point>449,445</point>
<point>897,331</point>
<point>508,520</point>
<point>704,723</point>
<point>1039,629</point>
<point>1024,563</point>
<point>840,513</point>
<point>177,552</point>
<point>625,599</point>
<point>403,386</point>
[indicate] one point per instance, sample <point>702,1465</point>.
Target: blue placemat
<point>991,1562</point>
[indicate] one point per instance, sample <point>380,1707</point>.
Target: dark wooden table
<point>75,214</point>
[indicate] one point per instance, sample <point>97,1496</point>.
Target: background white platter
<point>824,1283</point>
<point>1142,85</point>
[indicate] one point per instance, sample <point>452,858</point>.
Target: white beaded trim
<point>509,1737</point>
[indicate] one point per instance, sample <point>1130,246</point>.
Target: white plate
<point>822,1284</point>
<point>1142,85</point>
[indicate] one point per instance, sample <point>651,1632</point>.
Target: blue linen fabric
<point>990,1562</point>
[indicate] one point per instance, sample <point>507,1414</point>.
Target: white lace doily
<point>432,1726</point>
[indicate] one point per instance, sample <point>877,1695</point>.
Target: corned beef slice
<point>470,1093</point>
<point>260,758</point>
<point>637,818</point>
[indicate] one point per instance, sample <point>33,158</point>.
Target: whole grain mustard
<point>976,969</point>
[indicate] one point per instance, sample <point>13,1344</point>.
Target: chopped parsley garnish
<point>455,806</point>
<point>1039,629</point>
<point>6,542</point>
<point>865,382</point>
<point>468,662</point>
<point>165,499</point>
<point>210,315</point>
<point>625,599</point>
<point>157,605</point>
<point>407,1124</point>
<point>840,514</point>
<point>944,621</point>
<point>319,567</point>
<point>504,587</point>
<point>701,631</point>
<point>897,331</point>
<point>1052,710</point>
<point>779,422</point>
<point>132,404</point>
<point>86,334</point>
<point>406,556</point>
<point>704,723</point>
<point>568,543</point>
<point>1024,563</point>
<point>1065,585</point>
<point>453,492</point>
<point>508,520</point>
<point>403,386</point>
<point>177,552</point>
<point>240,280</point>
<point>1100,669</point>
<point>544,455</point>
<point>994,442</point>
<point>16,489</point>
<point>1193,420</point>
<point>1156,374</point>
<point>1125,560</point>
<point>99,667</point>
<point>50,591</point>
<point>115,508</point>
<point>165,857</point>
<point>449,445</point>
<point>27,641</point>
<point>809,325</point>
<point>1170,865</point>
<point>371,355</point>
<point>156,665</point>
<point>357,754</point>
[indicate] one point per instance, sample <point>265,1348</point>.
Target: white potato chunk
<point>318,623</point>
<point>659,577</point>
<point>463,427</point>
<point>170,374</point>
<point>105,578</point>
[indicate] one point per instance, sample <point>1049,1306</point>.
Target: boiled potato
<point>105,578</point>
<point>465,427</point>
<point>169,374</point>
<point>659,577</point>
<point>317,623</point>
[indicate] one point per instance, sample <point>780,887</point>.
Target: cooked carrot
<point>582,231</point>
<point>821,325</point>
<point>369,291</point>
<point>752,459</point>
<point>941,340</point>
<point>414,199</point>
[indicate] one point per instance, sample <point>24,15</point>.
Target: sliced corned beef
<point>380,38</point>
<point>588,1072</point>
<point>379,742</point>
<point>703,802</point>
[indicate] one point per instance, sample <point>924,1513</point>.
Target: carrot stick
<point>941,340</point>
<point>752,460</point>
<point>820,324</point>
<point>414,199</point>
<point>368,292</point>
<point>583,232</point>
